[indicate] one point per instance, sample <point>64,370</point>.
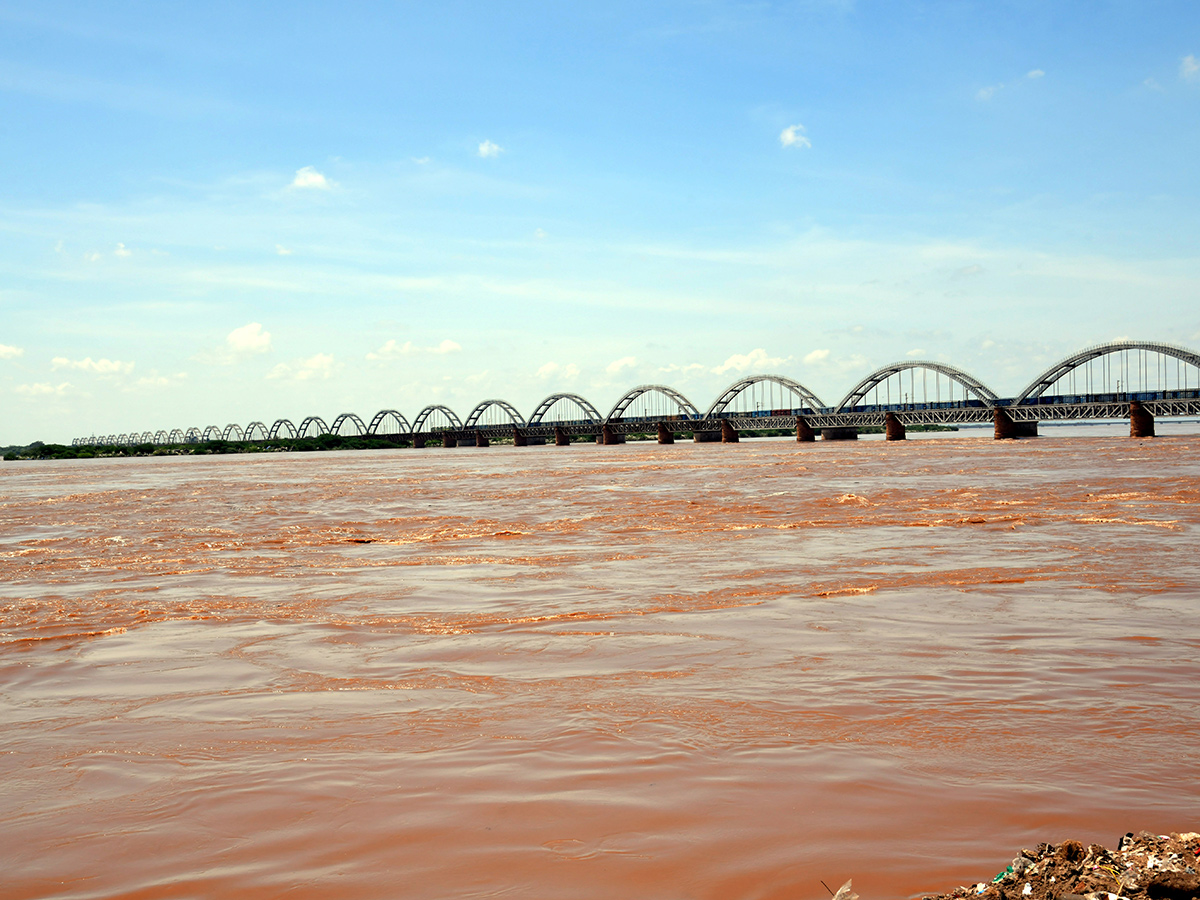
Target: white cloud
<point>9,352</point>
<point>123,251</point>
<point>319,366</point>
<point>794,136</point>
<point>816,356</point>
<point>625,362</point>
<point>756,359</point>
<point>987,344</point>
<point>157,381</point>
<point>1034,73</point>
<point>1152,84</point>
<point>43,389</point>
<point>99,366</point>
<point>685,371</point>
<point>987,93</point>
<point>487,150</point>
<point>282,250</point>
<point>391,349</point>
<point>421,160</point>
<point>554,370</point>
<point>539,234</point>
<point>1189,68</point>
<point>93,256</point>
<point>308,177</point>
<point>915,354</point>
<point>249,339</point>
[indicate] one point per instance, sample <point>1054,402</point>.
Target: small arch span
<point>591,415</point>
<point>211,433</point>
<point>192,436</point>
<point>1121,375</point>
<point>772,387</point>
<point>477,416</point>
<point>648,393</point>
<point>968,382</point>
<point>312,426</point>
<point>426,416</point>
<point>233,432</point>
<point>257,431</point>
<point>380,422</point>
<point>348,418</point>
<point>175,437</point>
<point>282,428</point>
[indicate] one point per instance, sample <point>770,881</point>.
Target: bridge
<point>1135,380</point>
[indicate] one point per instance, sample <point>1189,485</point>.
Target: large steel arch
<point>722,402</point>
<point>233,432</point>
<point>686,407</point>
<point>282,425</point>
<point>882,374</point>
<point>424,415</point>
<point>342,418</point>
<point>1075,360</point>
<point>160,437</point>
<point>593,414</point>
<point>211,433</point>
<point>383,415</point>
<point>192,436</point>
<point>315,421</point>
<point>175,437</point>
<point>257,431</point>
<point>478,411</point>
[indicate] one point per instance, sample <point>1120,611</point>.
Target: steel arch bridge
<point>382,416</point>
<point>428,412</point>
<point>593,416</point>
<point>687,409</point>
<point>968,382</point>
<point>807,398</point>
<point>503,405</point>
<point>342,419</point>
<point>1068,364</point>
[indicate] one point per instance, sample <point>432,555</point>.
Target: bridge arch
<point>282,427</point>
<point>426,415</point>
<point>233,432</point>
<point>968,382</point>
<point>257,431</point>
<point>211,433</point>
<point>1067,366</point>
<point>312,426</point>
<point>191,436</point>
<point>175,436</point>
<point>685,408</point>
<point>504,406</point>
<point>787,386</point>
<point>160,436</point>
<point>146,438</point>
<point>591,414</point>
<point>342,419</point>
<point>381,417</point>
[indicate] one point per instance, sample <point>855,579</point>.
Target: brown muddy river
<point>694,671</point>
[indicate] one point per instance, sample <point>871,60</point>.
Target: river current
<point>692,671</point>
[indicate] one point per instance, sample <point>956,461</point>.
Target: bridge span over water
<point>1135,380</point>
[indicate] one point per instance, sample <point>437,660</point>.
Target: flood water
<point>693,671</point>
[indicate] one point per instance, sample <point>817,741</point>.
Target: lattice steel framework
<point>807,398</point>
<point>593,414</point>
<point>508,408</point>
<point>882,374</point>
<point>687,409</point>
<point>1064,366</point>
<point>424,415</point>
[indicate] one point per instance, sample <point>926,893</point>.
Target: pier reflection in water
<point>640,671</point>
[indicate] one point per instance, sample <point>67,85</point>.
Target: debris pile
<point>1143,867</point>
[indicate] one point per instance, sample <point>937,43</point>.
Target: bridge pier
<point>893,428</point>
<point>519,440</point>
<point>729,434</point>
<point>449,440</point>
<point>561,438</point>
<point>1141,423</point>
<point>804,432</point>
<point>839,434</point>
<point>1006,429</point>
<point>665,434</point>
<point>418,441</point>
<point>481,441</point>
<point>706,437</point>
<point>608,435</point>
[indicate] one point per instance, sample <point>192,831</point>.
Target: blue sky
<point>213,213</point>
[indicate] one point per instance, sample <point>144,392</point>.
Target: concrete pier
<point>729,434</point>
<point>1006,429</point>
<point>665,434</point>
<point>1141,423</point>
<point>480,440</point>
<point>561,438</point>
<point>609,435</point>
<point>804,432</point>
<point>893,428</point>
<point>519,440</point>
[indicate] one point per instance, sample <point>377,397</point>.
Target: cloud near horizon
<point>488,150</point>
<point>794,136</point>
<point>319,366</point>
<point>309,177</point>
<point>249,339</point>
<point>8,351</point>
<point>98,366</point>
<point>391,349</point>
<point>757,359</point>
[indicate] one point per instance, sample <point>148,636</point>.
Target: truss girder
<point>1065,366</point>
<point>882,374</point>
<point>544,407</point>
<point>685,406</point>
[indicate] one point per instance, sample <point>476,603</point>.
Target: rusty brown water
<point>697,671</point>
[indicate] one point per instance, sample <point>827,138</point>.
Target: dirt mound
<point>1145,865</point>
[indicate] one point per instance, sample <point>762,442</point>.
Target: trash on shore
<point>1145,865</point>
